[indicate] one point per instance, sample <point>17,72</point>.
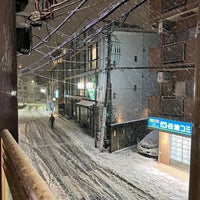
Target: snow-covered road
<point>74,169</point>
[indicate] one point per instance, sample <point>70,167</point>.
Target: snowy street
<point>74,169</point>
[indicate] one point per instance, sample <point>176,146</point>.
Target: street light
<point>43,90</point>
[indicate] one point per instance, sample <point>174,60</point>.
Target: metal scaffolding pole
<point>194,183</point>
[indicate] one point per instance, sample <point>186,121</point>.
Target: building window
<point>81,87</point>
<point>135,58</point>
<point>93,55</point>
<point>116,52</point>
<point>180,149</point>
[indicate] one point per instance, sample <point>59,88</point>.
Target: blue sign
<point>184,128</point>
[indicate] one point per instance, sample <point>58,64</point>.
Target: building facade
<point>30,92</point>
<point>106,79</point>
<point>174,62</point>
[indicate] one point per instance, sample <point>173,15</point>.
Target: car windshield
<point>150,140</point>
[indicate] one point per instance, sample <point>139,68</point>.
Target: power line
<point>102,16</point>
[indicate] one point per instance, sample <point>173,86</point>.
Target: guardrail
<point>19,179</point>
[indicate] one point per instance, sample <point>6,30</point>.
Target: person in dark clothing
<point>52,120</point>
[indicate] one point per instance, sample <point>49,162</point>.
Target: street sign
<point>183,128</point>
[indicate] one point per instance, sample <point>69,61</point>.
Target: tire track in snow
<point>62,163</point>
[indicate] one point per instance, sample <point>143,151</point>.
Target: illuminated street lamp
<point>43,90</point>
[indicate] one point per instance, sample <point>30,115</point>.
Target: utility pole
<point>106,120</point>
<point>194,183</point>
<point>64,87</point>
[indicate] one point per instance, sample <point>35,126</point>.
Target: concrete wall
<point>127,134</point>
<point>131,87</point>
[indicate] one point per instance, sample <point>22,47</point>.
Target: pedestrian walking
<point>52,120</point>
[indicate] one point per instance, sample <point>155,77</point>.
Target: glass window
<point>93,56</point>
<point>180,148</point>
<point>81,87</point>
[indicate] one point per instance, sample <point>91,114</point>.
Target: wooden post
<point>8,68</point>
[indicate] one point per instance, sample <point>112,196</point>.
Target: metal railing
<point>19,179</point>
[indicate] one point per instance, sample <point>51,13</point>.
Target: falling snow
<point>73,168</point>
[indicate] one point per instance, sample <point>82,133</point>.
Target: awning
<point>85,103</point>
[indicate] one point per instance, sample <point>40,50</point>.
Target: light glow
<point>89,85</point>
<point>80,85</point>
<point>42,90</point>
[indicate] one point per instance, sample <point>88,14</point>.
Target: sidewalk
<point>180,174</point>
<point>160,181</point>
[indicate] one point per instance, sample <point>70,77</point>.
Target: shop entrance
<point>163,148</point>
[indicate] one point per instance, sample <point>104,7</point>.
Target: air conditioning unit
<point>164,77</point>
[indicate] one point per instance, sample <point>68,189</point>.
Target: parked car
<point>149,144</point>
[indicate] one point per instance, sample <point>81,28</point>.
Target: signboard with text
<point>183,128</point>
